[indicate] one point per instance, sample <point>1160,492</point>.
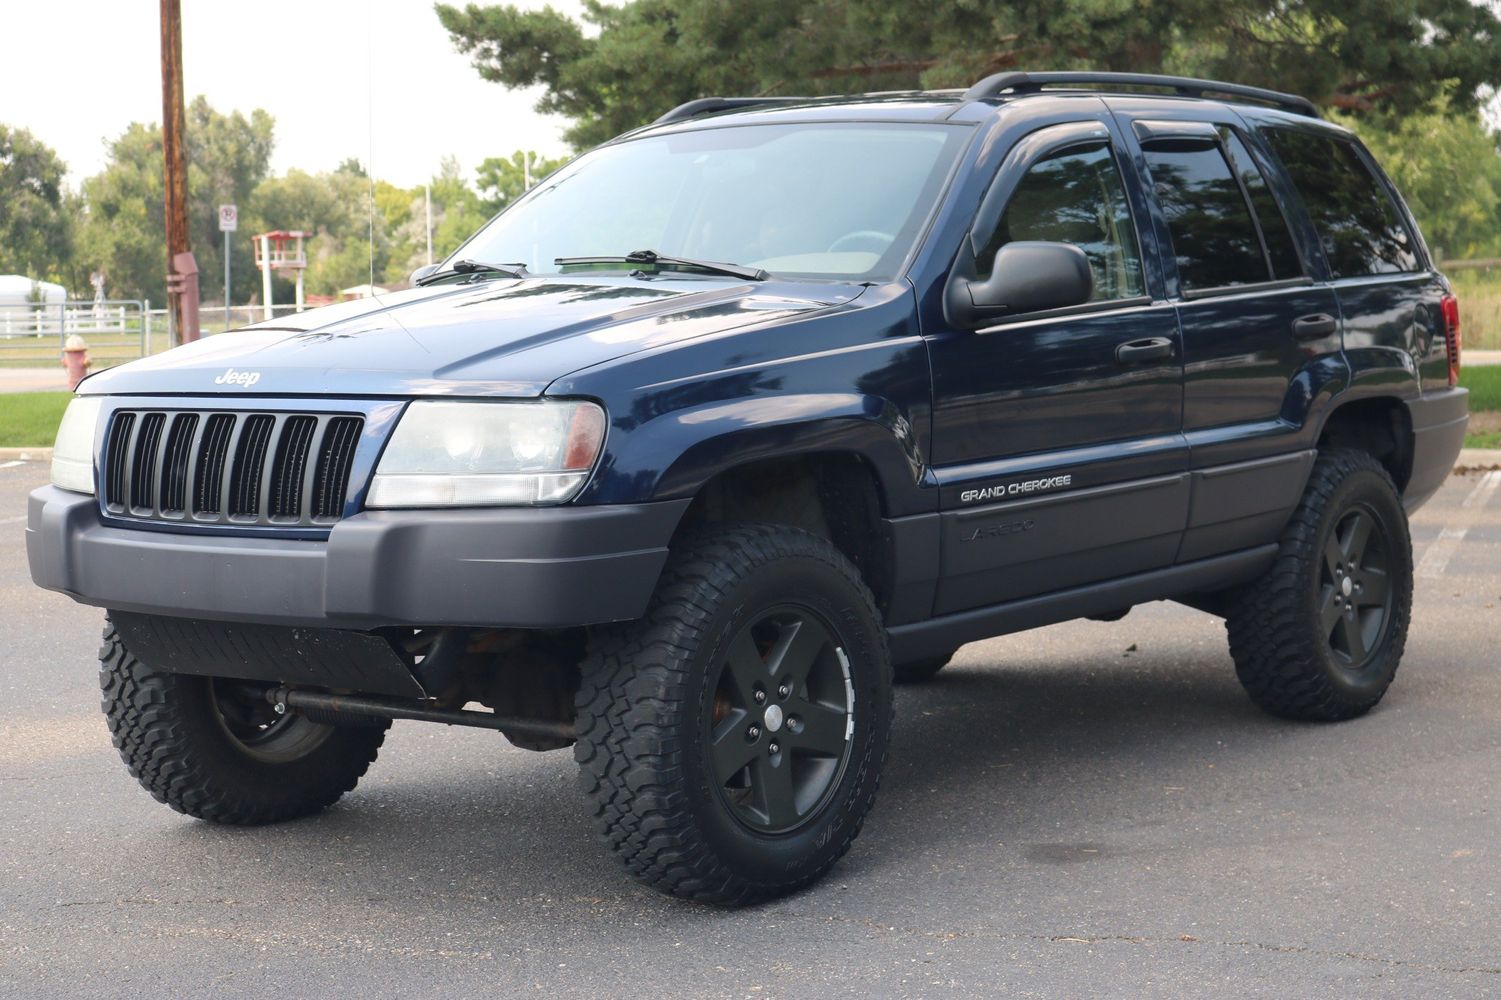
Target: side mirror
<point>1027,276</point>
<point>421,273</point>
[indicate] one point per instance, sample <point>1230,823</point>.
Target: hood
<point>508,337</point>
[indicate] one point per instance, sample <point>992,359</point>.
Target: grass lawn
<point>1484,384</point>
<point>30,419</point>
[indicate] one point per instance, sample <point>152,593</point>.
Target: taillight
<point>1451,336</point>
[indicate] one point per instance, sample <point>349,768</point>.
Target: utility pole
<point>427,201</point>
<point>175,172</point>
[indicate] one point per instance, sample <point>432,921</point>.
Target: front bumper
<point>547,567</point>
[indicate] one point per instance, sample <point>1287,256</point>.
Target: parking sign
<point>229,218</point>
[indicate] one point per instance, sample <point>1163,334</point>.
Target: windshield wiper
<point>475,267</point>
<point>650,257</point>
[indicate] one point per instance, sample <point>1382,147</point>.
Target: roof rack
<point>708,105</point>
<point>1031,83</point>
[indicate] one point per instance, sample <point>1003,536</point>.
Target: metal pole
<point>266,276</point>
<point>427,200</point>
<point>226,281</point>
<point>174,153</point>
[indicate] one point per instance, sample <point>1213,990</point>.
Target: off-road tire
<point>1283,656</point>
<point>170,737</point>
<point>920,671</point>
<point>644,759</point>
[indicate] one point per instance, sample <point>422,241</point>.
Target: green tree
<point>503,179</point>
<point>1446,166</point>
<point>124,231</point>
<point>638,59</point>
<point>36,229</point>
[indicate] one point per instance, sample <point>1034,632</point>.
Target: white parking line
<point>1436,559</point>
<point>11,465</point>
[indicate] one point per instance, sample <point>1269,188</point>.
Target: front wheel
<point>211,749</point>
<point>731,741</point>
<point>1320,635</point>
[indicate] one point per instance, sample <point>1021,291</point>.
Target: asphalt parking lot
<point>1088,810</point>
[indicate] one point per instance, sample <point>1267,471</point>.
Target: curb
<point>25,454</point>
<point>1478,458</point>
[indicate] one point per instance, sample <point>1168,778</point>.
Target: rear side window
<point>1076,196</point>
<point>1214,237</point>
<point>1357,222</point>
<point>1281,251</point>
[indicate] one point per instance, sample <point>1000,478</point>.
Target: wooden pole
<point>174,153</point>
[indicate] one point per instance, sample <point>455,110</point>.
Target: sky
<point>378,80</point>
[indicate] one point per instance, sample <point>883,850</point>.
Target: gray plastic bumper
<point>1439,420</point>
<point>523,567</point>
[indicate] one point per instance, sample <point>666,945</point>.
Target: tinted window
<point>1275,234</point>
<point>1357,222</point>
<point>1214,238</point>
<point>1075,196</point>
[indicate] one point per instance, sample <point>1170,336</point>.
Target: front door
<point>1057,436</point>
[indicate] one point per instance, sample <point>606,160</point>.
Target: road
<point>1087,810</point>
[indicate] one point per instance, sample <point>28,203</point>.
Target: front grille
<point>216,467</point>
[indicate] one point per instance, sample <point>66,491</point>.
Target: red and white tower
<point>280,250</point>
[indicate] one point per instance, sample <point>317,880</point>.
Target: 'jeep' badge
<point>232,377</point>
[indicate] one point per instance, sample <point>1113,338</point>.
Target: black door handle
<point>1315,326</point>
<point>1151,349</point>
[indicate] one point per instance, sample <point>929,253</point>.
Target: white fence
<point>116,331</point>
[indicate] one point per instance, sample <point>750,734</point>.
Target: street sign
<point>229,218</point>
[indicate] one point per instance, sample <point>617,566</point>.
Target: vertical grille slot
<point>143,462</point>
<point>174,471</point>
<point>213,451</point>
<point>117,450</point>
<point>229,468</point>
<point>249,466</point>
<point>290,466</point>
<point>335,458</point>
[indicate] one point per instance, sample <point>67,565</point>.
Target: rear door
<point>1258,327</point>
<point>1387,292</point>
<point>1058,454</point>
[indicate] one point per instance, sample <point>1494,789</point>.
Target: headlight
<point>73,453</point>
<point>455,454</point>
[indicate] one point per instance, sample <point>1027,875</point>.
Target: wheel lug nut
<point>783,691</point>
<point>760,697</point>
<point>754,733</point>
<point>774,748</point>
<point>1338,600</point>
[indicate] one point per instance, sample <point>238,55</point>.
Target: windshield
<point>811,200</point>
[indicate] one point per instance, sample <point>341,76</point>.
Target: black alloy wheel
<point>781,720</point>
<point>1355,591</point>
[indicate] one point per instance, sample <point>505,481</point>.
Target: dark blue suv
<point>691,452</point>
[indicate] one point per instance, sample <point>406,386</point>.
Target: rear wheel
<point>1321,634</point>
<point>731,740</point>
<point>214,749</point>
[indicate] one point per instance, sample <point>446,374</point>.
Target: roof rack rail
<point>1031,83</point>
<point>708,105</point>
